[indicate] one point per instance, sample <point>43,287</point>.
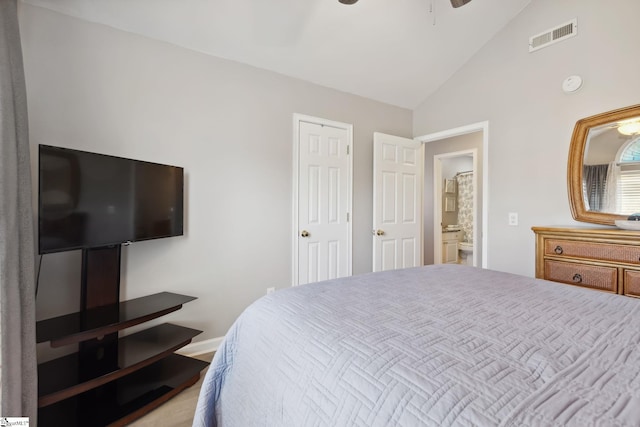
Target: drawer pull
<point>577,278</point>
<point>558,250</point>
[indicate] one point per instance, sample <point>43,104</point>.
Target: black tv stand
<point>112,380</point>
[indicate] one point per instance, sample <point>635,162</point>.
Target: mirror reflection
<point>611,167</point>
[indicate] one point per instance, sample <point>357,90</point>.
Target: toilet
<point>465,250</point>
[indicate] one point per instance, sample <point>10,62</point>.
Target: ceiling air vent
<point>553,35</point>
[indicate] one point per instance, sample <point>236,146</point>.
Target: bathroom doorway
<point>443,152</point>
<point>454,207</point>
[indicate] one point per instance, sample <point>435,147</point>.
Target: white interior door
<point>397,199</point>
<point>324,202</point>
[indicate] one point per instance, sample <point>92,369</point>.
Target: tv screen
<point>88,200</point>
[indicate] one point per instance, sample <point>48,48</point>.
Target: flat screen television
<point>89,200</point>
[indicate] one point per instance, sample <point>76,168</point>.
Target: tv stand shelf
<point>80,326</point>
<point>60,378</point>
<point>111,380</point>
<point>120,402</point>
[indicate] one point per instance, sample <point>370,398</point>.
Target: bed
<point>442,345</point>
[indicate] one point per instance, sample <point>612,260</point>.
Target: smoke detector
<point>572,84</point>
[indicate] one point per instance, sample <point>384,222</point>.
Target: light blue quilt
<point>444,345</point>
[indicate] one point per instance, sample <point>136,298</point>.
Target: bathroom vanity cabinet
<point>450,241</point>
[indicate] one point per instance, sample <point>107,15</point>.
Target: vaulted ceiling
<point>393,51</point>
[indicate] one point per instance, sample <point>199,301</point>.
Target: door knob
<point>304,233</point>
<point>380,232</point>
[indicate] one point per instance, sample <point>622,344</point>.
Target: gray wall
<point>530,118</point>
<point>96,88</point>
<point>229,125</point>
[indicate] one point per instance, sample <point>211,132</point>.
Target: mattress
<point>443,345</point>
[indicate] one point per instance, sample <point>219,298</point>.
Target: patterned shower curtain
<point>465,205</point>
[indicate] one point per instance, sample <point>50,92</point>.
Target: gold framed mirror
<point>604,167</point>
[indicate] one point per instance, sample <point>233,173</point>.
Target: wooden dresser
<point>606,259</point>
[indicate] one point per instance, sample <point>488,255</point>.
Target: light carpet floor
<point>178,411</point>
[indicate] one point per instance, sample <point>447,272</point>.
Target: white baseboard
<point>201,347</point>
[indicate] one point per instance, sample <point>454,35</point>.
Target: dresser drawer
<point>589,276</point>
<point>598,251</point>
<point>632,283</point>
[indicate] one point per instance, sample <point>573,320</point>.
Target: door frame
<point>297,119</point>
<point>437,200</point>
<point>463,130</point>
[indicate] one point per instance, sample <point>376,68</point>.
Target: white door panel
<point>397,194</point>
<point>324,202</point>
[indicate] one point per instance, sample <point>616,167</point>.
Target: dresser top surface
<point>602,232</point>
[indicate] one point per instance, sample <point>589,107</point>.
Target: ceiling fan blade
<point>454,3</point>
<point>458,3</point>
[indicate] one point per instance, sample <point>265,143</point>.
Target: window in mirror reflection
<point>611,173</point>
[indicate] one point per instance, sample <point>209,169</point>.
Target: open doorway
<point>464,149</point>
<point>455,197</point>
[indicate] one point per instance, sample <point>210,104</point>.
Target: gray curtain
<point>17,271</point>
<point>595,183</point>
